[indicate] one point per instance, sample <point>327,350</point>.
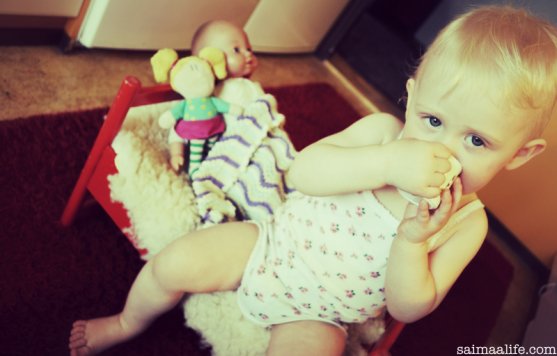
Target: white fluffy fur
<point>161,207</point>
<point>219,319</point>
<point>160,203</point>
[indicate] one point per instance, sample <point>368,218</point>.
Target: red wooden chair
<point>393,328</point>
<point>100,162</point>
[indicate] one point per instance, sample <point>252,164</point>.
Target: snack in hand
<point>450,176</point>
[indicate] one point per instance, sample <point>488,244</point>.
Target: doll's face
<point>240,60</point>
<point>193,78</point>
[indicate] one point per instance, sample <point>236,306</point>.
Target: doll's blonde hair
<point>503,46</point>
<point>165,62</point>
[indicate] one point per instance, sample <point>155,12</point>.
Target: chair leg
<point>382,347</point>
<point>109,129</point>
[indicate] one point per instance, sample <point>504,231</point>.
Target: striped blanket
<point>243,176</point>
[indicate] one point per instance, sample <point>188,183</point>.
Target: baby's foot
<point>89,337</point>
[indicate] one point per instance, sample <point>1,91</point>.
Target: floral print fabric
<point>321,258</point>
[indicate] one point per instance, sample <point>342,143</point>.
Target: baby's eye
<point>237,50</point>
<point>433,121</point>
<point>476,141</point>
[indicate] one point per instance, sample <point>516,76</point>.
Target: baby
<point>349,244</point>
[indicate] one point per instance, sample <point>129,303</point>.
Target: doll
<point>196,120</point>
<point>230,38</point>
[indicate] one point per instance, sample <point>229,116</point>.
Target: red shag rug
<point>51,276</point>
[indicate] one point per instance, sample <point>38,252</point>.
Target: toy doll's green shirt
<point>199,108</point>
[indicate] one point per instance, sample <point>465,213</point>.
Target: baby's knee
<point>181,267</point>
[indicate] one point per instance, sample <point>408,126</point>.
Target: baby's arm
<point>335,164</point>
<point>416,280</point>
<point>367,155</point>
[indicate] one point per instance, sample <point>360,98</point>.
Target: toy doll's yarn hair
<point>216,58</point>
<point>505,47</point>
<point>161,63</point>
<point>166,60</point>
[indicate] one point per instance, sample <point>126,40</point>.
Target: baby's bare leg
<point>207,260</point>
<point>306,338</point>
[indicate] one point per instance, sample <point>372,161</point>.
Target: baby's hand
<point>417,167</point>
<point>419,223</point>
<point>450,176</point>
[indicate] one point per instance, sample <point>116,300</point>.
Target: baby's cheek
<point>470,184</point>
<point>465,185</point>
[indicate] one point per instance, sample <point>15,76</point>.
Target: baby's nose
<point>451,143</point>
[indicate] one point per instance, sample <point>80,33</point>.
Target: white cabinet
<point>291,26</point>
<point>149,25</point>
<point>63,8</point>
<point>286,26</point>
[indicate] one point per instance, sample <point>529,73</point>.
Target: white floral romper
<point>321,258</point>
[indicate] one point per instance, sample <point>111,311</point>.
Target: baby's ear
<point>528,151</point>
<point>410,85</point>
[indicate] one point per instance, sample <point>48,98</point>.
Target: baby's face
<point>240,60</point>
<point>475,126</point>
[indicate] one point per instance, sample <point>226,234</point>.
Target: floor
<point>41,79</point>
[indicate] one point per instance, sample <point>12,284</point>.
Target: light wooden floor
<point>40,79</point>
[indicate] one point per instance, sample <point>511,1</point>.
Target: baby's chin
<point>467,188</point>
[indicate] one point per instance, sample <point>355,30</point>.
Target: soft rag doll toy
<point>197,119</point>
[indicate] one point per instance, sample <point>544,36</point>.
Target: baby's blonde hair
<point>504,46</point>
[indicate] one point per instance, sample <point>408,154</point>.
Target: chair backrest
<point>130,94</point>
